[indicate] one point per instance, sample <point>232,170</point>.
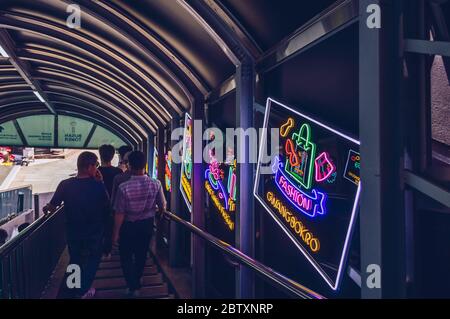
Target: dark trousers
<point>134,244</point>
<point>86,253</point>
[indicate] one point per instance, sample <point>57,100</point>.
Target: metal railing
<point>289,286</point>
<point>28,260</point>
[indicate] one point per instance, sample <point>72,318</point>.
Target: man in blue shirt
<point>86,206</point>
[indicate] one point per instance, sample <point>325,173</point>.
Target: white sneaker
<point>89,294</point>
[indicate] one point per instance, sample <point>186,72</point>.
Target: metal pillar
<point>245,222</point>
<point>198,199</point>
<point>176,200</point>
<point>381,209</point>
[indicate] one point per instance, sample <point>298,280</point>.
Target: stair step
<point>119,282</point>
<point>145,292</point>
<point>117,272</point>
<point>116,264</point>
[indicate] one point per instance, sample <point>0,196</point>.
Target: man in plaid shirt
<point>136,204</point>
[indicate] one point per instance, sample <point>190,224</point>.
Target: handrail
<point>288,285</point>
<point>38,223</point>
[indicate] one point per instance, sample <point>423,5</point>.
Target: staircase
<point>110,282</point>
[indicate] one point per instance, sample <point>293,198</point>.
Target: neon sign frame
<point>334,285</point>
<point>184,178</point>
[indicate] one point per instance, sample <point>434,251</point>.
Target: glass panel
<point>38,130</point>
<point>9,135</point>
<point>102,136</point>
<point>72,132</point>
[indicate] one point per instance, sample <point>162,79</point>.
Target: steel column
<point>381,207</point>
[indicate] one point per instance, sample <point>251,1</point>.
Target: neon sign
<point>221,186</point>
<point>168,171</point>
<point>186,163</point>
<point>312,189</point>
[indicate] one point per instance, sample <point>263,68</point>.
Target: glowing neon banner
<point>168,172</point>
<point>312,188</point>
<point>186,163</point>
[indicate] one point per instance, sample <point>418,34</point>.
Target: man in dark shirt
<point>86,206</point>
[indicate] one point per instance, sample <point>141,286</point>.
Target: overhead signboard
<point>221,186</point>
<point>155,164</point>
<point>168,171</point>
<point>73,132</point>
<point>311,188</point>
<point>186,163</point>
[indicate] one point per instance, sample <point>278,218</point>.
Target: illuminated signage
<point>186,163</point>
<point>168,171</point>
<point>221,186</point>
<point>155,164</point>
<point>311,188</point>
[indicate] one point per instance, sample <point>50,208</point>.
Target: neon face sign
<point>168,171</point>
<point>186,163</point>
<point>313,190</point>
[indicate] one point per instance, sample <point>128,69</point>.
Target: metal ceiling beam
<point>9,46</point>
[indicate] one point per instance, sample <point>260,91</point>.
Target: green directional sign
<point>72,131</point>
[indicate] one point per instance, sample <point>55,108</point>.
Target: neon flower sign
<point>313,189</point>
<point>186,163</point>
